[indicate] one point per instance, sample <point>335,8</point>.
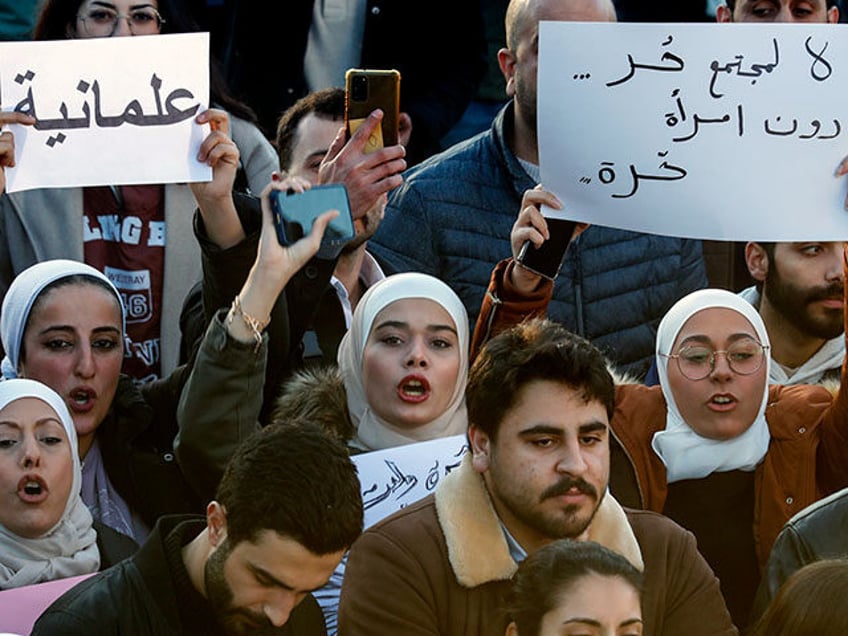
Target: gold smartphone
<point>366,90</point>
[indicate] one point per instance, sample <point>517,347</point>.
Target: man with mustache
<point>799,295</point>
<point>539,403</point>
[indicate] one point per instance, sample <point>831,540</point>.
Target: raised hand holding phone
<point>295,212</point>
<point>367,90</point>
<point>368,176</point>
<point>274,266</point>
<point>538,243</point>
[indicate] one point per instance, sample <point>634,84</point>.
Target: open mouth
<point>32,489</point>
<point>721,403</point>
<point>414,388</point>
<point>81,399</point>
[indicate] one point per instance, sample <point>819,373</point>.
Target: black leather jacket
<point>818,532</point>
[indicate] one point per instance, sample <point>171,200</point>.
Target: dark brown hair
<point>810,603</point>
<point>549,573</point>
<point>297,482</point>
<point>537,349</point>
<point>328,103</point>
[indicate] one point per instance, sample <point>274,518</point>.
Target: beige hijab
<point>374,433</point>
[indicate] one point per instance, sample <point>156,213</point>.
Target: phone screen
<point>547,259</point>
<point>295,213</point>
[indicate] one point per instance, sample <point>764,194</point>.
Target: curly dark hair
<point>538,349</point>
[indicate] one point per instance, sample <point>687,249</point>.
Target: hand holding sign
<point>97,124</point>
<point>7,142</point>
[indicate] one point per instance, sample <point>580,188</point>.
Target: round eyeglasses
<point>103,21</point>
<point>696,362</point>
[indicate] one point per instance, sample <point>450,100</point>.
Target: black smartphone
<point>547,259</point>
<point>294,213</point>
<point>366,90</point>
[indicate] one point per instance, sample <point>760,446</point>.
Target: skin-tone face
<point>778,11</point>
<point>254,586</point>
<point>804,285</point>
<point>519,64</point>
<point>73,343</point>
<point>722,405</point>
<point>411,362</point>
<point>94,24</point>
<point>547,468</point>
<point>313,138</point>
<point>595,606</point>
<point>36,467</point>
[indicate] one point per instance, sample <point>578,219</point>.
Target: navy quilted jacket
<point>452,218</point>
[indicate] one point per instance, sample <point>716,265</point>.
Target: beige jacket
<point>442,566</point>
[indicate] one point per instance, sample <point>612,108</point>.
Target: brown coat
<point>442,566</point>
<point>807,457</point>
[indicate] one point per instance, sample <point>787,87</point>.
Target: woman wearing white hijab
<point>402,369</point>
<point>687,453</point>
<point>714,447</point>
<point>62,324</point>
<point>46,530</point>
<point>410,409</point>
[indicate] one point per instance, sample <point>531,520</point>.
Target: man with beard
<point>799,295</point>
<point>766,11</point>
<point>539,403</point>
<point>286,510</point>
<point>452,216</point>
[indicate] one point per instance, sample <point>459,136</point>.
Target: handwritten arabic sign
<point>108,111</point>
<point>396,477</point>
<point>705,131</point>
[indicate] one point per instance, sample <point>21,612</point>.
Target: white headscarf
<point>69,548</point>
<point>373,432</point>
<point>24,291</point>
<point>686,454</point>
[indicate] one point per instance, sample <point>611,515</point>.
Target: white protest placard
<point>396,477</point>
<point>109,111</point>
<point>391,479</point>
<point>716,131</point>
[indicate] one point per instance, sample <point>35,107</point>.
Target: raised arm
<point>222,398</point>
<point>215,198</point>
<point>367,176</point>
<point>516,293</point>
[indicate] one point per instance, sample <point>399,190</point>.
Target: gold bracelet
<point>256,326</point>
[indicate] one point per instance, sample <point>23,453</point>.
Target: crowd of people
<point>675,468</point>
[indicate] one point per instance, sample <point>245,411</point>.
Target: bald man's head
<point>521,14</point>
<point>519,60</point>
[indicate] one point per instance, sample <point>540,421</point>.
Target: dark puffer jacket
<point>452,218</point>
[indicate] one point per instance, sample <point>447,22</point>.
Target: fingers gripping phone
<point>295,212</point>
<point>366,90</point>
<point>547,259</point>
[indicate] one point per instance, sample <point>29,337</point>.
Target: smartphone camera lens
<point>359,88</point>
